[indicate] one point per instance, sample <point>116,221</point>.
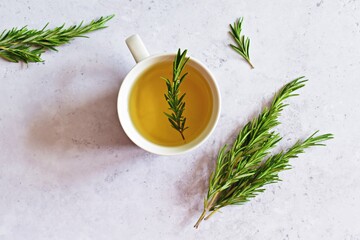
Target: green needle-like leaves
<point>27,45</point>
<point>242,42</point>
<point>245,168</point>
<point>176,102</point>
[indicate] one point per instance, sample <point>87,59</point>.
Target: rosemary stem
<point>213,199</point>
<point>182,135</point>
<point>248,60</point>
<point>207,208</point>
<point>200,219</point>
<point>212,213</point>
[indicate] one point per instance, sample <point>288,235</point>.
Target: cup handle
<point>137,48</point>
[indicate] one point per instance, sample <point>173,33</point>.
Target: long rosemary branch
<point>245,168</point>
<point>27,45</point>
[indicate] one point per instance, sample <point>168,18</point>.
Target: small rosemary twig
<point>242,42</point>
<point>176,103</point>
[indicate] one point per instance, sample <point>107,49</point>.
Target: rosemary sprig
<point>243,170</point>
<point>176,103</point>
<point>242,42</point>
<point>27,45</point>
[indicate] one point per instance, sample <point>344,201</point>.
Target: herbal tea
<point>147,104</point>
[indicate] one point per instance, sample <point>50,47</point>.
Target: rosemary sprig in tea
<point>176,103</point>
<point>243,170</point>
<point>27,45</point>
<point>242,42</point>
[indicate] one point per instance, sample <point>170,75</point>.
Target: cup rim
<point>132,132</point>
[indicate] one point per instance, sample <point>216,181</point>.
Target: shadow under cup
<point>141,105</point>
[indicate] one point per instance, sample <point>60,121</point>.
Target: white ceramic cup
<point>143,61</point>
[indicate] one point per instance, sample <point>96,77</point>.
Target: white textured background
<point>67,171</point>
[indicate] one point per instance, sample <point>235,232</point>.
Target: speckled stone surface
<point>69,172</point>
